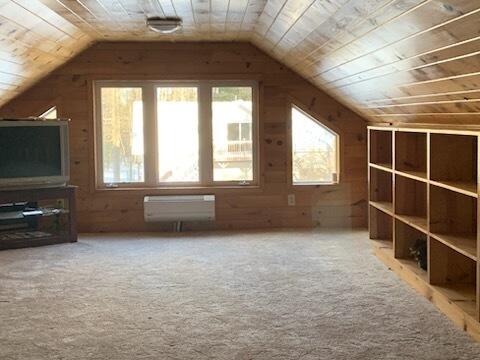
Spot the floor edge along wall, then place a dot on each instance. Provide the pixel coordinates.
(423, 212)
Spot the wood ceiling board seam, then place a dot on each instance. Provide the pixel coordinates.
(448, 95)
(424, 62)
(448, 35)
(286, 16)
(20, 16)
(63, 11)
(318, 17)
(86, 16)
(366, 20)
(330, 24)
(168, 7)
(276, 12)
(431, 73)
(396, 42)
(30, 39)
(100, 12)
(37, 8)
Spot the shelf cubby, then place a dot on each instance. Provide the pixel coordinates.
(453, 220)
(411, 153)
(406, 237)
(411, 202)
(381, 228)
(381, 194)
(455, 275)
(381, 148)
(453, 162)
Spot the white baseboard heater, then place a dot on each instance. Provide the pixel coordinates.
(179, 208)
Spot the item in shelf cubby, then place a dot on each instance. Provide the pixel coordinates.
(419, 253)
(407, 238)
(381, 225)
(381, 147)
(381, 188)
(411, 153)
(411, 201)
(453, 220)
(453, 160)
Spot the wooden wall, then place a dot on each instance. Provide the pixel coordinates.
(70, 89)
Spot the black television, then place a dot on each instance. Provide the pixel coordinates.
(33, 153)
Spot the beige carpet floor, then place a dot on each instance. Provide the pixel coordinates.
(257, 295)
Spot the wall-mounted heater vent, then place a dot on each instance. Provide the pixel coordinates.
(179, 208)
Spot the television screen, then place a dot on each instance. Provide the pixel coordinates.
(30, 151)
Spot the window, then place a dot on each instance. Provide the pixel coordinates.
(314, 150)
(50, 113)
(122, 135)
(232, 133)
(177, 124)
(240, 132)
(198, 133)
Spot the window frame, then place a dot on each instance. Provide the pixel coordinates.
(318, 120)
(149, 100)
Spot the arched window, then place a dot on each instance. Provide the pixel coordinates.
(314, 151)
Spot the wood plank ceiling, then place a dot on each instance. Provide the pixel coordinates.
(389, 60)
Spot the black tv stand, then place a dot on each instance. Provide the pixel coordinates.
(23, 230)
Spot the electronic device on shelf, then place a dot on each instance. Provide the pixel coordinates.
(23, 235)
(33, 153)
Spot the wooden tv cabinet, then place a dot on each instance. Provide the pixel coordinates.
(29, 237)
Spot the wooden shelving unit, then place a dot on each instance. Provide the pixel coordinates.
(423, 188)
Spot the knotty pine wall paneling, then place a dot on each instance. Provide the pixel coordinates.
(70, 89)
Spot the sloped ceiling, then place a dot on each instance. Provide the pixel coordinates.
(389, 60)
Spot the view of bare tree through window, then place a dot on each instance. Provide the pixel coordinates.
(232, 133)
(314, 150)
(171, 154)
(122, 135)
(177, 119)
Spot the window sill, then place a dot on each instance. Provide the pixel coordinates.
(314, 185)
(179, 189)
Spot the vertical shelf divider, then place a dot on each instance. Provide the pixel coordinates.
(393, 194)
(478, 229)
(429, 272)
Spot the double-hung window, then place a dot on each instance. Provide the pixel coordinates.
(163, 134)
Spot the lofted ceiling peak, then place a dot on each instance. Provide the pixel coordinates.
(389, 60)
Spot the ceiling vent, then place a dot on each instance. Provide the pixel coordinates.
(164, 25)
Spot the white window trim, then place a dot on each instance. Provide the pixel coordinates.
(314, 118)
(150, 133)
